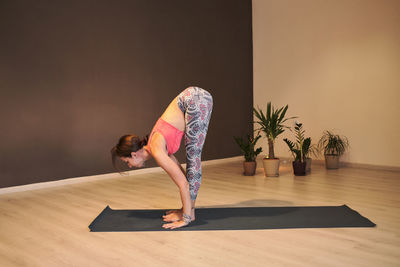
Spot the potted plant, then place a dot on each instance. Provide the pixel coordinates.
(271, 123)
(299, 149)
(250, 155)
(312, 149)
(333, 146)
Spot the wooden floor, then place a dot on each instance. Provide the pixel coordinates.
(49, 227)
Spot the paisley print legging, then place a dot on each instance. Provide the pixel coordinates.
(196, 103)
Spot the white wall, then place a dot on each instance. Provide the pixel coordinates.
(337, 64)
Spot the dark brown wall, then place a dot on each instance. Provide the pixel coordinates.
(76, 75)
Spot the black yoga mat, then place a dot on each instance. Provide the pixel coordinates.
(241, 218)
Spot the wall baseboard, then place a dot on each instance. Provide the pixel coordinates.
(349, 165)
(368, 166)
(35, 186)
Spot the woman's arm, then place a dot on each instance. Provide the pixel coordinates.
(177, 162)
(168, 164)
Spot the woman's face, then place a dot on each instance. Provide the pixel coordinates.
(136, 160)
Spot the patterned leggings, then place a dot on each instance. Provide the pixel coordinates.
(196, 104)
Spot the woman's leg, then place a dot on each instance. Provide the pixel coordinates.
(196, 104)
(198, 108)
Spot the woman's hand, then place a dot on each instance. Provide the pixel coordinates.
(174, 225)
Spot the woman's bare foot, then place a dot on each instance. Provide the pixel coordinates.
(173, 216)
(172, 211)
(176, 215)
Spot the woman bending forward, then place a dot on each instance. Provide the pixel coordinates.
(189, 115)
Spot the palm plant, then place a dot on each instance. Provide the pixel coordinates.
(333, 144)
(247, 147)
(272, 124)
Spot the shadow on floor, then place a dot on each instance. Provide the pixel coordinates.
(253, 203)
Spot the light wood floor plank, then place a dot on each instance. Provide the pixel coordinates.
(49, 227)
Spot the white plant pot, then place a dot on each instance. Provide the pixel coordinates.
(271, 167)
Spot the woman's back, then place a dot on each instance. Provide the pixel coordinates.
(174, 116)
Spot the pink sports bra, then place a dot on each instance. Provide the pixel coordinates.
(171, 135)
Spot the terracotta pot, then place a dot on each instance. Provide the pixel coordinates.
(332, 161)
(249, 168)
(271, 167)
(308, 164)
(299, 168)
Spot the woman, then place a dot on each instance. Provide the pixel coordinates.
(188, 114)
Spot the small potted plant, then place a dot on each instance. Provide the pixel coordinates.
(250, 155)
(272, 124)
(312, 149)
(333, 146)
(299, 149)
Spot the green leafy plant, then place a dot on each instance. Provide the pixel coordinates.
(272, 124)
(247, 147)
(333, 144)
(302, 147)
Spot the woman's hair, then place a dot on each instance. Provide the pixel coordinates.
(126, 145)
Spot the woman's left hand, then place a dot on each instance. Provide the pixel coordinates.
(174, 225)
